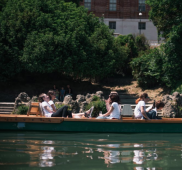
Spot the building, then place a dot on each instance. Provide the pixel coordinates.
(123, 16)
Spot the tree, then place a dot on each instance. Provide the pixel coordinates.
(53, 36)
(165, 14)
(161, 65)
(2, 4)
(77, 2)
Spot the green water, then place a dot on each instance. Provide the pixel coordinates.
(92, 151)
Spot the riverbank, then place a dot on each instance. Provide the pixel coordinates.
(34, 86)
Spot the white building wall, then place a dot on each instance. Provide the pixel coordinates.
(130, 26)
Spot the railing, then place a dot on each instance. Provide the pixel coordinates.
(130, 110)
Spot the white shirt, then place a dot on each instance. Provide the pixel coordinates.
(149, 108)
(47, 114)
(51, 102)
(116, 112)
(137, 112)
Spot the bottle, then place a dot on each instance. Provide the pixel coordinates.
(100, 113)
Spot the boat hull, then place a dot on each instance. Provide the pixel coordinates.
(98, 127)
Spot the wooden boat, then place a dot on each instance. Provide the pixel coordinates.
(125, 125)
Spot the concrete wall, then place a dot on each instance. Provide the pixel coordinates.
(130, 26)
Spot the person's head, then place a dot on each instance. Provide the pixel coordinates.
(114, 98)
(68, 86)
(51, 94)
(54, 86)
(42, 97)
(159, 105)
(62, 88)
(143, 97)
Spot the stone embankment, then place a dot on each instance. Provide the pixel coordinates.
(173, 105)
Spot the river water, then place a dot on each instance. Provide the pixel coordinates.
(91, 151)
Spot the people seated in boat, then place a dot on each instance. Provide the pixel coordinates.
(107, 101)
(52, 96)
(114, 111)
(152, 110)
(140, 110)
(61, 112)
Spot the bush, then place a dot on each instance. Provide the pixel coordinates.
(22, 110)
(133, 47)
(178, 88)
(99, 105)
(141, 43)
(161, 65)
(58, 106)
(95, 98)
(147, 69)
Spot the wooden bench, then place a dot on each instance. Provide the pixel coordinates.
(35, 109)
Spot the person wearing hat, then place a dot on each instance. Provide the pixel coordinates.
(140, 110)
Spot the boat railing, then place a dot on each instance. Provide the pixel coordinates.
(128, 109)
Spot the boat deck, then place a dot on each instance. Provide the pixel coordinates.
(42, 119)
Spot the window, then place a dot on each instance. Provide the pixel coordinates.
(141, 25)
(112, 5)
(87, 4)
(141, 6)
(112, 25)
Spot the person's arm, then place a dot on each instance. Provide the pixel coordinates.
(54, 109)
(48, 109)
(143, 113)
(109, 112)
(149, 109)
(107, 104)
(69, 91)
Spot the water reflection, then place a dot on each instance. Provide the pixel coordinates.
(47, 157)
(73, 150)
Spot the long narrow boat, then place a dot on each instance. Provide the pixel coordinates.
(125, 125)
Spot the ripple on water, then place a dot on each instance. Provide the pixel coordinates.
(90, 151)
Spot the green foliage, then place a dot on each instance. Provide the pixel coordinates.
(53, 36)
(129, 42)
(161, 65)
(58, 106)
(141, 43)
(2, 4)
(165, 14)
(22, 110)
(95, 98)
(133, 46)
(99, 105)
(147, 68)
(77, 2)
(178, 88)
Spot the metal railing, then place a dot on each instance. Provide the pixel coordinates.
(160, 113)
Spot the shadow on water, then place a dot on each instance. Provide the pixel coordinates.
(35, 150)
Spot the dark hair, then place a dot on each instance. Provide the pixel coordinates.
(159, 104)
(114, 98)
(144, 95)
(41, 96)
(50, 92)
